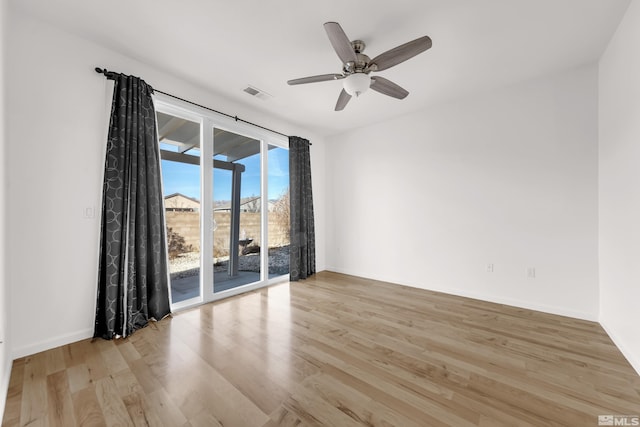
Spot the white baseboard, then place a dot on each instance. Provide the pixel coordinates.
(51, 343)
(634, 360)
(560, 311)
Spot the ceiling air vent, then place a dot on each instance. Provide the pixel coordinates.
(253, 91)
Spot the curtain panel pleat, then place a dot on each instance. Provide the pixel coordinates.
(133, 273)
(302, 261)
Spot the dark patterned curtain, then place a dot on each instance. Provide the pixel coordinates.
(133, 280)
(302, 261)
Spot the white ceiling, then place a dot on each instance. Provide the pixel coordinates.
(225, 45)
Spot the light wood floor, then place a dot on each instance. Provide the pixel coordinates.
(333, 350)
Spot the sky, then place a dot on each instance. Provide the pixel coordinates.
(185, 179)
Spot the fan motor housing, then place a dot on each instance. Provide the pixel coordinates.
(362, 62)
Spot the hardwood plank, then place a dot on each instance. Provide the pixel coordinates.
(225, 402)
(74, 354)
(93, 360)
(282, 417)
(126, 383)
(204, 419)
(128, 351)
(61, 411)
(252, 381)
(34, 406)
(87, 409)
(55, 360)
(145, 377)
(165, 408)
(79, 377)
(141, 413)
(113, 360)
(180, 385)
(113, 408)
(13, 404)
(306, 405)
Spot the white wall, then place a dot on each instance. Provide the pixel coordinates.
(619, 84)
(5, 356)
(507, 178)
(57, 140)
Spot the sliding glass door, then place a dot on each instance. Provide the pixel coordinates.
(226, 201)
(278, 207)
(237, 211)
(181, 186)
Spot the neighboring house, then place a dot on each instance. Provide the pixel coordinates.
(177, 202)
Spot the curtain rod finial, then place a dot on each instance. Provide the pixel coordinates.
(100, 70)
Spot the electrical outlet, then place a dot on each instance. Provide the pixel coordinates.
(489, 268)
(531, 272)
(89, 212)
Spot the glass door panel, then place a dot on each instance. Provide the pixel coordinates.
(236, 210)
(180, 153)
(278, 219)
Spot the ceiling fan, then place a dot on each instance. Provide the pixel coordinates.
(357, 66)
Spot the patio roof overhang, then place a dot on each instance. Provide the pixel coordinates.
(185, 136)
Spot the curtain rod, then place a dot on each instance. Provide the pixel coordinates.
(111, 74)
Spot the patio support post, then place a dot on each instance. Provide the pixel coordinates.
(234, 238)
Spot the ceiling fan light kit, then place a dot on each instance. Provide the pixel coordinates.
(356, 66)
(356, 84)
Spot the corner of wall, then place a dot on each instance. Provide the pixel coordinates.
(633, 360)
(5, 348)
(57, 341)
(319, 177)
